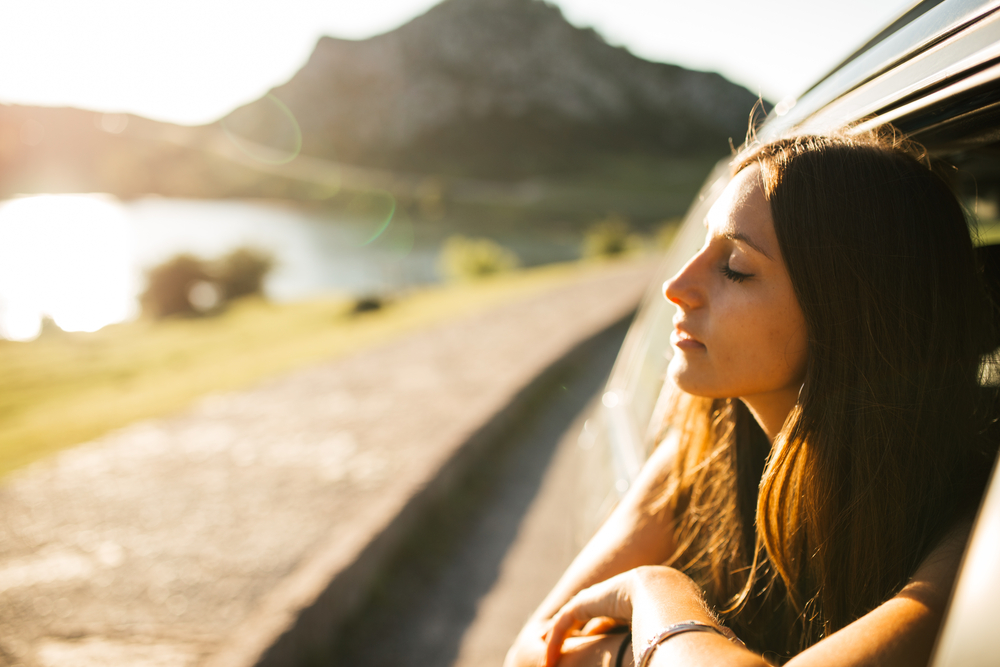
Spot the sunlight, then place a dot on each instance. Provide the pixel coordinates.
(68, 257)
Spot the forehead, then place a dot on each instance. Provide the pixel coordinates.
(743, 210)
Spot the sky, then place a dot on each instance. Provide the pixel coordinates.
(192, 61)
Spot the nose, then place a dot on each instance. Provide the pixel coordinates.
(684, 289)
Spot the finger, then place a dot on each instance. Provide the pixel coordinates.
(608, 598)
(561, 626)
(573, 616)
(599, 625)
(527, 650)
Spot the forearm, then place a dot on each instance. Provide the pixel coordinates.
(663, 597)
(700, 649)
(616, 548)
(652, 599)
(631, 537)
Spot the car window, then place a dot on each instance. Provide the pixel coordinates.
(630, 405)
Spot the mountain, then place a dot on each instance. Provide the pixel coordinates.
(482, 109)
(492, 88)
(51, 149)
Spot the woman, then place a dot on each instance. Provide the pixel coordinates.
(830, 427)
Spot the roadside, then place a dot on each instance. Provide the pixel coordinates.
(243, 530)
(460, 589)
(96, 382)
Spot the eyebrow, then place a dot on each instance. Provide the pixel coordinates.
(743, 238)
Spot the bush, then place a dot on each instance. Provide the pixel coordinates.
(188, 285)
(606, 238)
(367, 304)
(471, 258)
(610, 237)
(242, 272)
(169, 286)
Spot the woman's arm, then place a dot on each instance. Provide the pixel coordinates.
(630, 537)
(900, 632)
(651, 598)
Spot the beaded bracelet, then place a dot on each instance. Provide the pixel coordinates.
(678, 628)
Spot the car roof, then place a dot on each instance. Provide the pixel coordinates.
(937, 62)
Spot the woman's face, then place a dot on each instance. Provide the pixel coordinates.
(739, 331)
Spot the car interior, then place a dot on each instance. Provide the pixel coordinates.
(968, 636)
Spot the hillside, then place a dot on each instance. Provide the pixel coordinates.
(494, 88)
(487, 109)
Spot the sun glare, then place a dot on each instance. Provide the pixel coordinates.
(67, 257)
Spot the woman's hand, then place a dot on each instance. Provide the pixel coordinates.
(638, 532)
(611, 599)
(530, 647)
(647, 598)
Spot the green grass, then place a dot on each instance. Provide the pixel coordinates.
(63, 389)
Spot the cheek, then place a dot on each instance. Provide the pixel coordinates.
(797, 350)
(787, 340)
(766, 338)
(757, 343)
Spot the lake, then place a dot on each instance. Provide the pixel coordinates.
(81, 259)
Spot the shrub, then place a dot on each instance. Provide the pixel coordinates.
(610, 237)
(187, 285)
(465, 258)
(169, 285)
(242, 272)
(367, 304)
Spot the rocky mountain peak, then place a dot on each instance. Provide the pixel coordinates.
(494, 87)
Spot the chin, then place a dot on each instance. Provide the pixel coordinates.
(688, 379)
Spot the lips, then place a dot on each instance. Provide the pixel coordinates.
(683, 340)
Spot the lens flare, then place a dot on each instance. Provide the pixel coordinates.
(382, 221)
(400, 237)
(269, 154)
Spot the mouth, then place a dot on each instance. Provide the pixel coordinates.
(682, 340)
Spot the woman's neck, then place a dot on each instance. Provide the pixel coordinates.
(771, 409)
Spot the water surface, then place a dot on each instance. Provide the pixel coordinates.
(81, 259)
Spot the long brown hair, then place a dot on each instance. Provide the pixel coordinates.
(885, 446)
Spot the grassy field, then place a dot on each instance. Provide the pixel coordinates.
(63, 389)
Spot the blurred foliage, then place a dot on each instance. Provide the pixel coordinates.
(464, 258)
(169, 286)
(610, 237)
(187, 285)
(367, 304)
(242, 272)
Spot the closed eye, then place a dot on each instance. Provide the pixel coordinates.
(735, 276)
